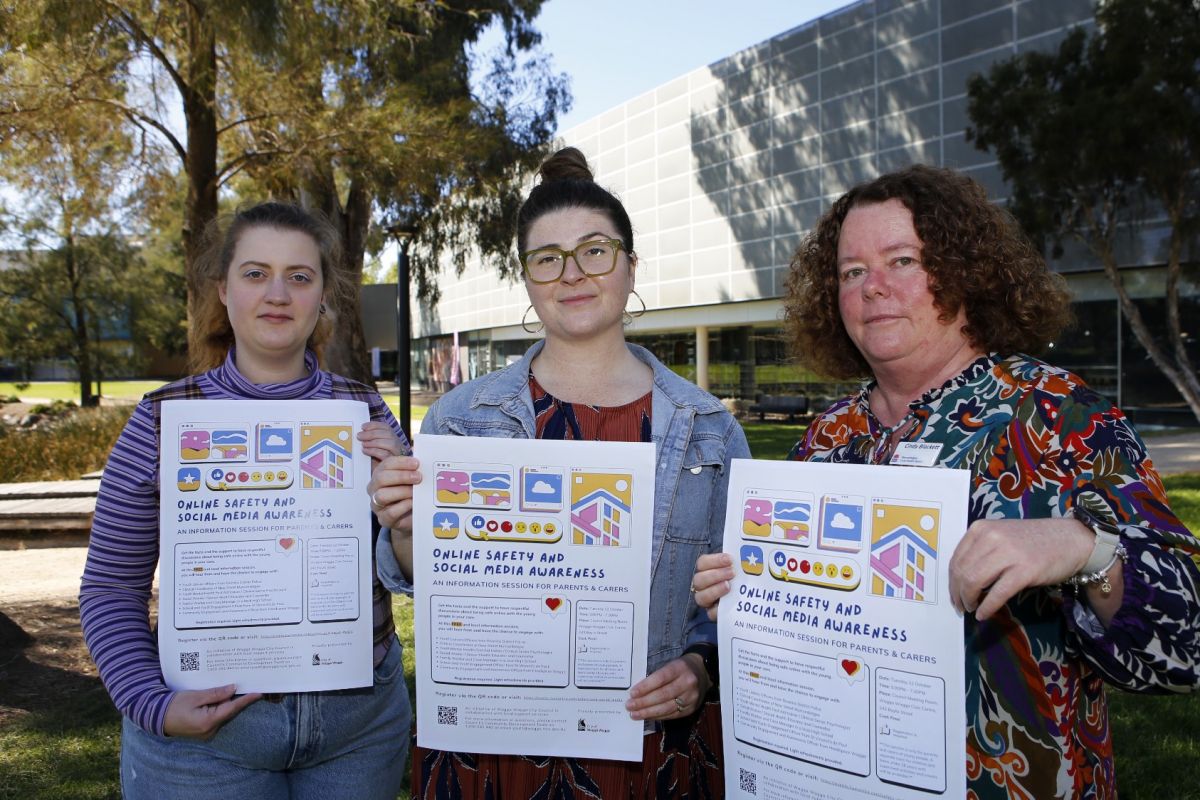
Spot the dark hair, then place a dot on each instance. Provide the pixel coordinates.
(210, 317)
(975, 254)
(567, 183)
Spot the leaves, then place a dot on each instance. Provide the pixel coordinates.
(1098, 140)
(361, 108)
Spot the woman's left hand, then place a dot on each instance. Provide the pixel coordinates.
(674, 690)
(999, 557)
(379, 441)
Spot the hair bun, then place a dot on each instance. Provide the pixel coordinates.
(568, 164)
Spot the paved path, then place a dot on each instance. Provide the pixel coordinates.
(1176, 453)
(44, 573)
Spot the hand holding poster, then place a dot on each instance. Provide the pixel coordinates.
(531, 589)
(842, 658)
(265, 537)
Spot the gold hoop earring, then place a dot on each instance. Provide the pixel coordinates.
(627, 316)
(540, 325)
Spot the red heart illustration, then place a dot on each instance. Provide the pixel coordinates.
(553, 603)
(849, 666)
(286, 542)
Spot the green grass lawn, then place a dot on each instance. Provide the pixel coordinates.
(393, 402)
(772, 440)
(66, 390)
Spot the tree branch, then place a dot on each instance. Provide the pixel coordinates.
(246, 121)
(135, 30)
(140, 119)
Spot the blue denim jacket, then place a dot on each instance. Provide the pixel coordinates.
(695, 439)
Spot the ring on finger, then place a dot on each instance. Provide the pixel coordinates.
(679, 704)
(375, 500)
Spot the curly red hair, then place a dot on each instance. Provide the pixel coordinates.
(975, 254)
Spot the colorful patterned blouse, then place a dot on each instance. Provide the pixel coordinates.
(556, 419)
(1039, 443)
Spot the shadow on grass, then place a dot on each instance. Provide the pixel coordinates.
(772, 440)
(62, 755)
(1154, 738)
(59, 732)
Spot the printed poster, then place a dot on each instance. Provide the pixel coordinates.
(842, 658)
(531, 594)
(265, 545)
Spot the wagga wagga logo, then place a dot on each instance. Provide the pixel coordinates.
(591, 727)
(318, 661)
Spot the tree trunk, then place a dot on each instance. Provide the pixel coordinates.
(200, 114)
(83, 352)
(12, 635)
(1182, 378)
(346, 350)
(1191, 392)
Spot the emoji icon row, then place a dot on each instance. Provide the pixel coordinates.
(831, 573)
(227, 479)
(791, 567)
(497, 528)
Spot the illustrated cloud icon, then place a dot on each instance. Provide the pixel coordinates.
(275, 440)
(842, 521)
(541, 487)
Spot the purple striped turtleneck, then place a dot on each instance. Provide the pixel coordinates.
(123, 550)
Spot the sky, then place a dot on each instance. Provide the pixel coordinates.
(614, 50)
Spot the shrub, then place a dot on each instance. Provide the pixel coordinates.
(63, 449)
(56, 408)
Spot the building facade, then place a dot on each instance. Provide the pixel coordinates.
(725, 169)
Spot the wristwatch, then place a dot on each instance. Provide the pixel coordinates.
(1106, 550)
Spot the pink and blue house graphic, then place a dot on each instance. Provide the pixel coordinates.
(600, 518)
(903, 565)
(325, 461)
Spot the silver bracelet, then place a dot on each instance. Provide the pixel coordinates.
(1100, 576)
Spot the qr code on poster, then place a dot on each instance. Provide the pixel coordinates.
(447, 715)
(189, 662)
(748, 781)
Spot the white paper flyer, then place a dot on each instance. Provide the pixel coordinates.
(531, 589)
(265, 545)
(842, 658)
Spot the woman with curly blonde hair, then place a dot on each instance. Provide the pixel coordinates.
(1073, 570)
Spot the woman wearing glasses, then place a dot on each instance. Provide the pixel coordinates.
(585, 382)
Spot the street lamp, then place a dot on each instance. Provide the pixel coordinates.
(403, 332)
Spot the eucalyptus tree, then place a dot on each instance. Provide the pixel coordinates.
(362, 108)
(1100, 139)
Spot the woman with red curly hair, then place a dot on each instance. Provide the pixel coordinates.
(1073, 570)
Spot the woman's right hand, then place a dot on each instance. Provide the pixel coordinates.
(711, 581)
(391, 491)
(200, 713)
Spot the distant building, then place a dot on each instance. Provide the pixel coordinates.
(724, 170)
(120, 355)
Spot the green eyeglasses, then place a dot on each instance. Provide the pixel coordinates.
(595, 258)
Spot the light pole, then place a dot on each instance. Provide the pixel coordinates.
(403, 333)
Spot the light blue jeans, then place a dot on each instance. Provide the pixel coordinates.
(307, 746)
